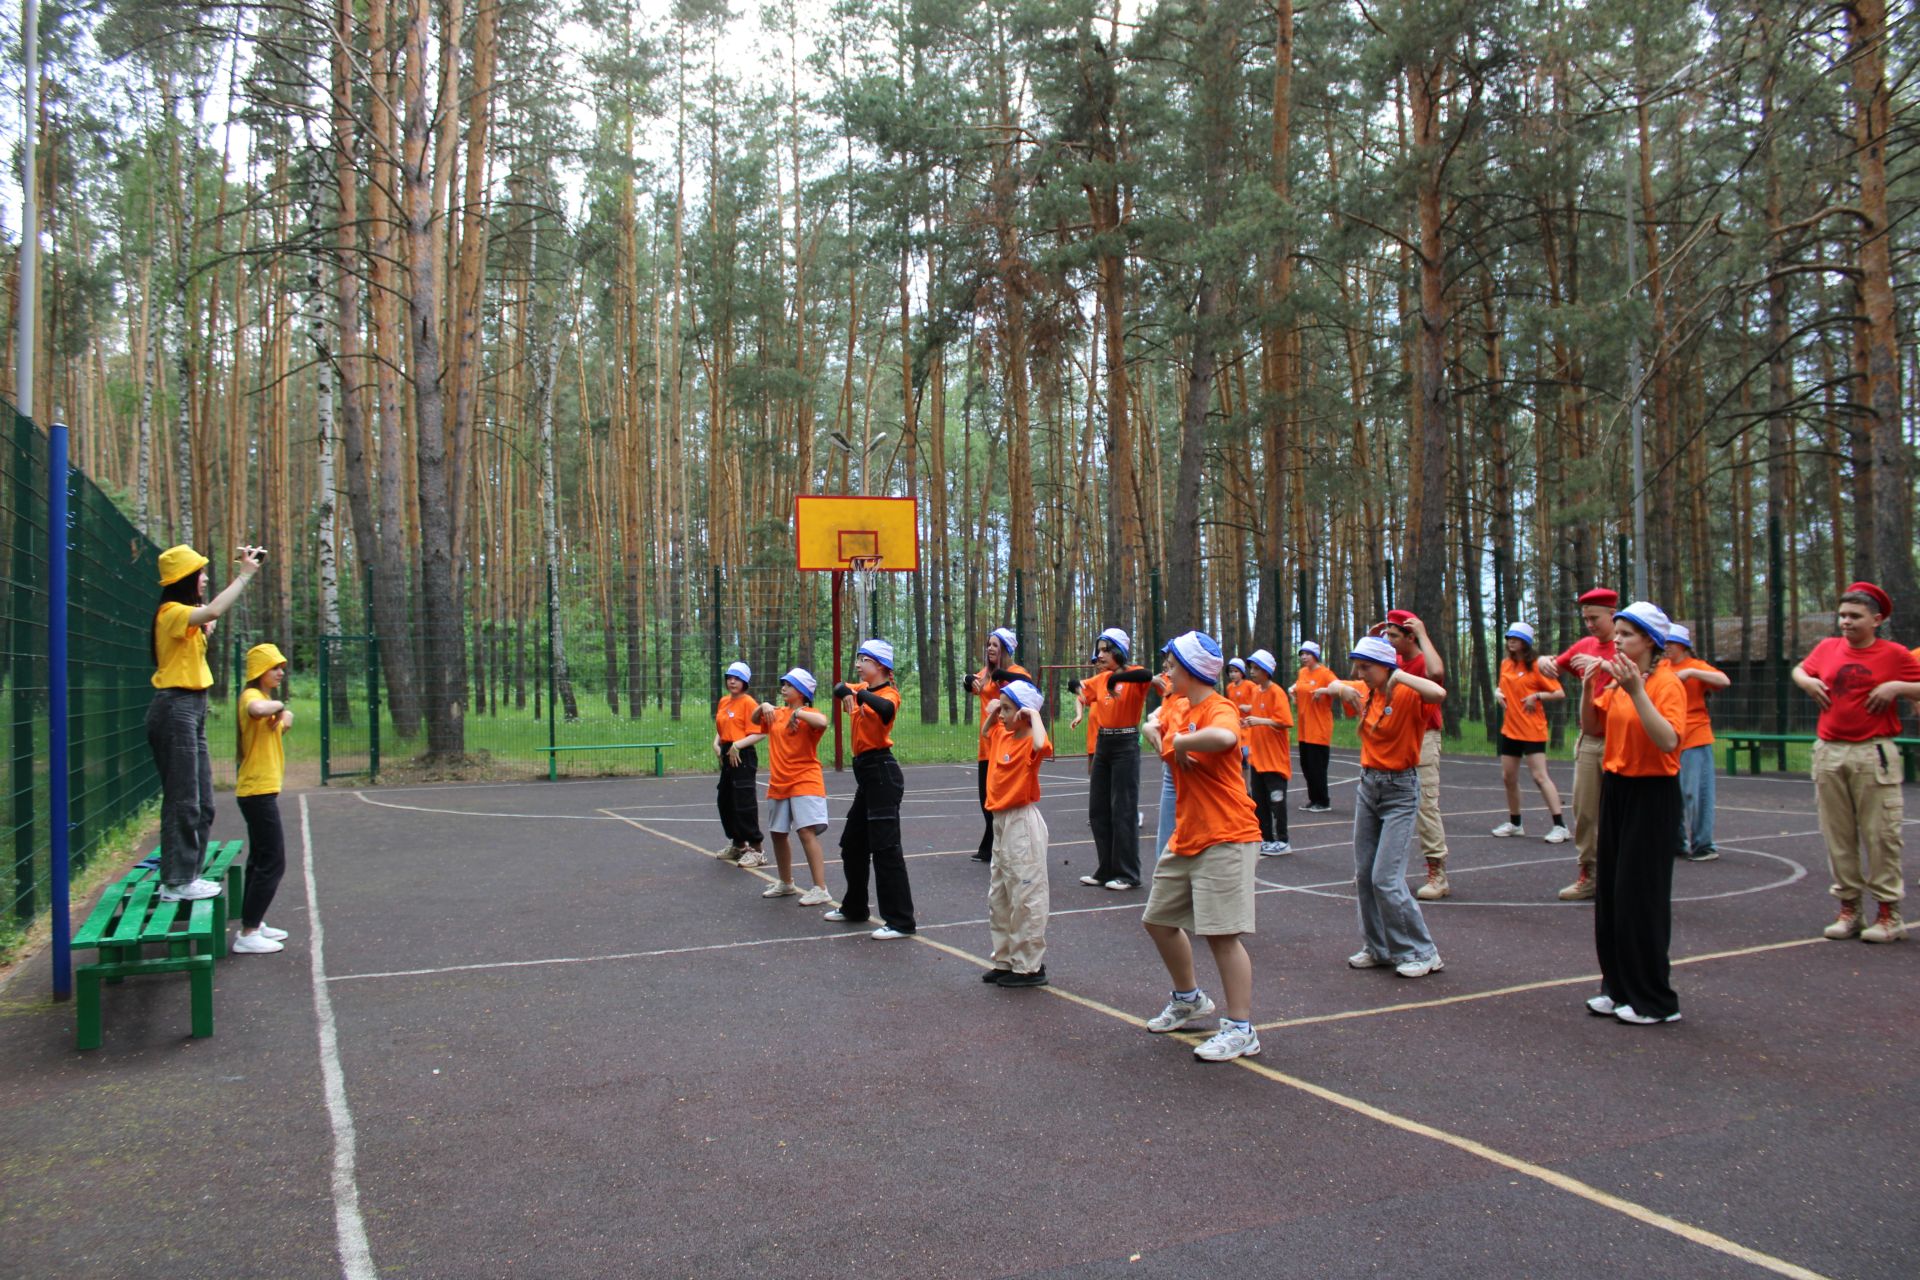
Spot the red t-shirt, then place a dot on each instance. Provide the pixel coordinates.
(1851, 674)
(1416, 665)
(1602, 649)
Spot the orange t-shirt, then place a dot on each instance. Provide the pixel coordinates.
(1392, 725)
(1088, 697)
(1118, 706)
(1699, 730)
(733, 717)
(793, 747)
(1316, 714)
(1516, 682)
(1240, 693)
(1172, 707)
(1630, 752)
(987, 693)
(869, 733)
(1211, 804)
(1013, 767)
(1269, 745)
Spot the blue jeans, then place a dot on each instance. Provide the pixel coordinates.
(1164, 832)
(1696, 792)
(1383, 839)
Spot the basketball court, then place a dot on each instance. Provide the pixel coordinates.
(541, 1029)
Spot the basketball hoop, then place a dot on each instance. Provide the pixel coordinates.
(863, 576)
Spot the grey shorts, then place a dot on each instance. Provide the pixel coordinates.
(1210, 893)
(797, 813)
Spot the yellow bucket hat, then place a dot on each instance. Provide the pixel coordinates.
(261, 659)
(177, 562)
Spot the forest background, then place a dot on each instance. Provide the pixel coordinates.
(1258, 317)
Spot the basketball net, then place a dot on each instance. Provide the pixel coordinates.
(863, 584)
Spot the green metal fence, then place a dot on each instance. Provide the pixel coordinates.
(111, 597)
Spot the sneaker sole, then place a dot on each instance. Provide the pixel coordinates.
(1244, 1053)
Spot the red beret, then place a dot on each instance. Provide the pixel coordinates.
(1604, 596)
(1399, 617)
(1880, 597)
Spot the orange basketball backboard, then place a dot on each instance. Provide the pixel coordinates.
(830, 531)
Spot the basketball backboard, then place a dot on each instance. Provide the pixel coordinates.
(831, 531)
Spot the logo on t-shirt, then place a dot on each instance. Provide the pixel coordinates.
(1852, 678)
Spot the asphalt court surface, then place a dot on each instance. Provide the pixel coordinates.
(547, 1032)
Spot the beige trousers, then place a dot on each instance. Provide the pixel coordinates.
(1427, 827)
(1857, 788)
(1017, 889)
(1588, 753)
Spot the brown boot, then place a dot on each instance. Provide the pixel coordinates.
(1847, 923)
(1436, 885)
(1580, 890)
(1886, 927)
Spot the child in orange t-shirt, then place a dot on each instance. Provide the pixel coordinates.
(796, 786)
(1393, 724)
(1524, 693)
(1267, 720)
(1017, 900)
(1315, 717)
(1700, 679)
(1116, 696)
(1203, 883)
(733, 743)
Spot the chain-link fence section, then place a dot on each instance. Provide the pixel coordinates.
(111, 596)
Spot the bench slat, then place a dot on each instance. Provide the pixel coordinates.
(134, 918)
(160, 921)
(101, 920)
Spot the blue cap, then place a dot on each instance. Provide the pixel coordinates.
(801, 679)
(1262, 659)
(1198, 653)
(880, 651)
(742, 672)
(1119, 640)
(1650, 618)
(1008, 641)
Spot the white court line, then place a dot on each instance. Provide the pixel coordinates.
(350, 1230)
(1798, 873)
(478, 813)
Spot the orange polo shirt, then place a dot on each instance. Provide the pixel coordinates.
(1392, 725)
(1699, 730)
(869, 733)
(1013, 767)
(986, 693)
(793, 748)
(1211, 804)
(1117, 706)
(1271, 753)
(1630, 752)
(733, 717)
(1316, 714)
(1517, 680)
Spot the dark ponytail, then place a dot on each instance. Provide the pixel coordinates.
(182, 591)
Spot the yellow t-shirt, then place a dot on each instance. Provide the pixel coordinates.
(262, 762)
(183, 650)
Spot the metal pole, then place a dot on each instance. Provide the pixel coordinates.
(553, 721)
(1777, 625)
(326, 707)
(837, 765)
(714, 611)
(29, 216)
(57, 782)
(373, 703)
(1636, 416)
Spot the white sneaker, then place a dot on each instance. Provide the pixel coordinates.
(785, 889)
(1509, 829)
(752, 858)
(838, 917)
(1229, 1042)
(730, 853)
(191, 891)
(887, 933)
(1121, 886)
(1365, 960)
(1179, 1013)
(1626, 1014)
(1092, 882)
(278, 935)
(1559, 835)
(1601, 1006)
(1420, 968)
(255, 944)
(815, 896)
(1275, 849)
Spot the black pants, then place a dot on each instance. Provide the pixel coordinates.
(871, 835)
(177, 736)
(266, 857)
(1113, 807)
(1633, 890)
(1270, 802)
(985, 853)
(1313, 763)
(739, 798)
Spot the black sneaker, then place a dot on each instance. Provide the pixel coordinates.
(982, 857)
(1038, 978)
(994, 975)
(1704, 855)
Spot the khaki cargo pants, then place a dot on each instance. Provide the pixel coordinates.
(1588, 754)
(1017, 899)
(1429, 832)
(1857, 787)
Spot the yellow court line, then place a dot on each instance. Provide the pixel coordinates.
(1521, 989)
(1540, 1173)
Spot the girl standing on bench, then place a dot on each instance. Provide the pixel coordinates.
(796, 787)
(739, 798)
(262, 723)
(177, 717)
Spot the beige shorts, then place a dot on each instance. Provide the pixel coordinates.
(1210, 894)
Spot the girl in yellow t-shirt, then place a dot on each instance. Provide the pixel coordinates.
(177, 716)
(261, 725)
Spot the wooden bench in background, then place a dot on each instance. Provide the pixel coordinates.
(1752, 743)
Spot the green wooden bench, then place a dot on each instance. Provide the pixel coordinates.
(223, 866)
(1751, 743)
(658, 749)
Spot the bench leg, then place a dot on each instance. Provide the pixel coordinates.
(220, 927)
(86, 1009)
(201, 976)
(659, 763)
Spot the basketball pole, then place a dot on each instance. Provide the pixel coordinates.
(837, 576)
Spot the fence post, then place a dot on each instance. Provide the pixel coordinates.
(1777, 626)
(553, 718)
(326, 708)
(25, 571)
(373, 705)
(714, 612)
(57, 781)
